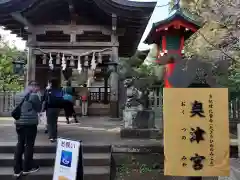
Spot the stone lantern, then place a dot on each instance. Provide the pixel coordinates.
(18, 67)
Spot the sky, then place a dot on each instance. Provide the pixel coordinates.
(159, 13)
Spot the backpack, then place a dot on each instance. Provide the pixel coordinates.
(55, 98)
(68, 94)
(17, 111)
(68, 90)
(68, 97)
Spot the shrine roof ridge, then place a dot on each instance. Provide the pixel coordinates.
(133, 16)
(177, 14)
(9, 6)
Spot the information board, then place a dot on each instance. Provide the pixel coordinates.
(196, 131)
(68, 160)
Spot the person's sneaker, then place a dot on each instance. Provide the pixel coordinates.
(52, 140)
(32, 170)
(17, 174)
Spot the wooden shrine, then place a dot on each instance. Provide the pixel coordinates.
(76, 35)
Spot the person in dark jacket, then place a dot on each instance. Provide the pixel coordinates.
(69, 93)
(26, 128)
(53, 100)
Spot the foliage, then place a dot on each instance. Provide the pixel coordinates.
(8, 80)
(135, 67)
(219, 35)
(218, 38)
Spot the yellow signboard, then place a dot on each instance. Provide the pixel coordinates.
(196, 131)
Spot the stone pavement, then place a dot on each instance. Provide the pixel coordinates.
(91, 130)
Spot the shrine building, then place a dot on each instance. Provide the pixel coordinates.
(80, 40)
(170, 35)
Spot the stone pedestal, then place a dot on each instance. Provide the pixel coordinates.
(138, 119)
(238, 134)
(139, 124)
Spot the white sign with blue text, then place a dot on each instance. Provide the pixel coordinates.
(66, 162)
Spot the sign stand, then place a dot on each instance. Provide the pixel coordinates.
(194, 178)
(69, 160)
(80, 173)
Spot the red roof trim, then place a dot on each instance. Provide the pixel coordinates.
(177, 24)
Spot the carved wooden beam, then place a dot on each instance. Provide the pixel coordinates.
(73, 44)
(78, 29)
(18, 17)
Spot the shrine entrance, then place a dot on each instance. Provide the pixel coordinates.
(79, 71)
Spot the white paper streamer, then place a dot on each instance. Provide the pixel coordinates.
(64, 65)
(50, 62)
(93, 62)
(79, 67)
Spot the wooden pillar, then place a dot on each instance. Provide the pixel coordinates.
(31, 65)
(114, 83)
(114, 79)
(105, 89)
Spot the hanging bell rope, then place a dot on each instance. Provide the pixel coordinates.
(44, 59)
(99, 58)
(72, 61)
(58, 59)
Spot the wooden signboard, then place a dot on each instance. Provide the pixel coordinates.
(196, 131)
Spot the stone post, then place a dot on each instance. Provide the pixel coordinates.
(238, 140)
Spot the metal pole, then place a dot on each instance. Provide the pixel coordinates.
(194, 178)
